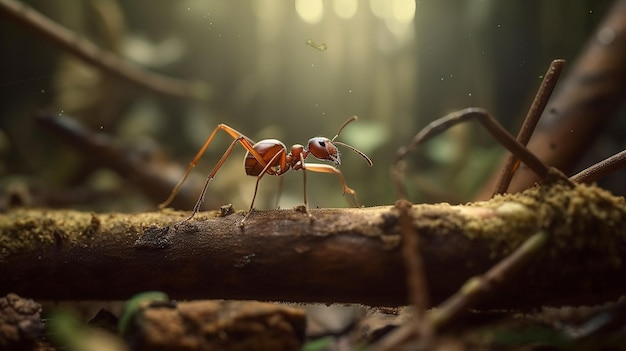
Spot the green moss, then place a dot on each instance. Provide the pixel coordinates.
(27, 230)
(575, 216)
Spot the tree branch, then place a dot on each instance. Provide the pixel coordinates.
(82, 48)
(344, 255)
(147, 175)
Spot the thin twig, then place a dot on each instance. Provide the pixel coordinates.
(412, 256)
(90, 53)
(479, 287)
(601, 169)
(530, 122)
(471, 292)
(445, 122)
(415, 271)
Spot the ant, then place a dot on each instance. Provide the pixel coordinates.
(270, 156)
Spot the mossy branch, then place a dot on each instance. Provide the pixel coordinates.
(344, 255)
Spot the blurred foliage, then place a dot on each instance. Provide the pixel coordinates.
(266, 81)
(68, 332)
(136, 303)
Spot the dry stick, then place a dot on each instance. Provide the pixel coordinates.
(530, 122)
(492, 126)
(471, 292)
(412, 257)
(415, 270)
(90, 53)
(148, 177)
(479, 287)
(601, 169)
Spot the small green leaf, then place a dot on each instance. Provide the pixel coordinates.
(135, 304)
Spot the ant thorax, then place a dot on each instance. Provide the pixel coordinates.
(295, 157)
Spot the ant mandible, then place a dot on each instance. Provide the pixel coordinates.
(270, 156)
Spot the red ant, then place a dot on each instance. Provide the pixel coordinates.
(270, 156)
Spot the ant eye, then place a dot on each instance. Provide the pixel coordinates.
(322, 144)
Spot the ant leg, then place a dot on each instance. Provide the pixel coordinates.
(243, 140)
(306, 203)
(278, 192)
(279, 156)
(324, 168)
(211, 175)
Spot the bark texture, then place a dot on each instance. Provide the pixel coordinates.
(343, 255)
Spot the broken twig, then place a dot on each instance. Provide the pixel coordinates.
(474, 290)
(540, 101)
(601, 169)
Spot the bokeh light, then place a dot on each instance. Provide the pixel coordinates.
(345, 9)
(311, 11)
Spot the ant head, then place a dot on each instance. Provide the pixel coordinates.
(324, 149)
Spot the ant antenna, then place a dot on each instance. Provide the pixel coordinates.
(367, 159)
(351, 119)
